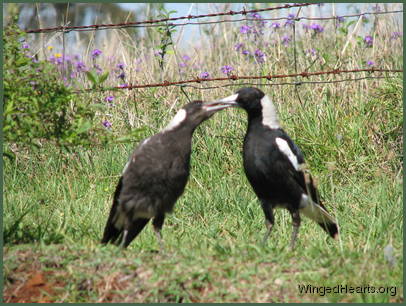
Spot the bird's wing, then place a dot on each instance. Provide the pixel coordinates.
(296, 165)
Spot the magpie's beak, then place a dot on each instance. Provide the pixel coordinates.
(230, 100)
(215, 106)
(221, 104)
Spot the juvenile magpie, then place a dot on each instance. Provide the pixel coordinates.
(275, 166)
(155, 176)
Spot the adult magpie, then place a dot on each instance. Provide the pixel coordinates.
(275, 166)
(155, 176)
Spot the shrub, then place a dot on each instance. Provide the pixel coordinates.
(38, 106)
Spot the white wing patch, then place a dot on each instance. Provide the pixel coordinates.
(285, 149)
(126, 166)
(144, 142)
(314, 211)
(177, 120)
(269, 115)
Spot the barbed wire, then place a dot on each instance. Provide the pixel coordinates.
(249, 19)
(189, 17)
(236, 77)
(288, 83)
(133, 25)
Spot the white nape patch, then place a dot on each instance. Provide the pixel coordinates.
(176, 121)
(269, 115)
(285, 149)
(231, 98)
(314, 211)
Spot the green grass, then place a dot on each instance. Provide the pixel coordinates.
(55, 208)
(56, 203)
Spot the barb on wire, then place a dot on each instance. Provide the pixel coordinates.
(189, 17)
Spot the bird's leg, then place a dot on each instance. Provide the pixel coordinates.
(123, 240)
(158, 223)
(269, 220)
(296, 224)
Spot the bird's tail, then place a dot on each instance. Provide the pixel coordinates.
(319, 214)
(111, 233)
(315, 210)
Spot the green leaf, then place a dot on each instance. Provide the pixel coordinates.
(103, 77)
(92, 77)
(84, 127)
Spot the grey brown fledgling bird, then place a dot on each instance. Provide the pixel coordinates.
(275, 166)
(155, 176)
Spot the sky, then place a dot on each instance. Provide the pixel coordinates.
(188, 32)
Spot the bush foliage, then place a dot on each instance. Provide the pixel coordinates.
(38, 106)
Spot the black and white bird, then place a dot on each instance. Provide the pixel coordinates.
(155, 176)
(275, 166)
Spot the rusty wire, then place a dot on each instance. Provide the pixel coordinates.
(189, 17)
(247, 19)
(267, 77)
(288, 83)
(183, 83)
(133, 25)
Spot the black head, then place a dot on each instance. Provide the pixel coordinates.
(248, 98)
(256, 103)
(194, 113)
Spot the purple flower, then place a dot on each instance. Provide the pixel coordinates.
(158, 53)
(107, 124)
(290, 20)
(121, 75)
(186, 58)
(339, 21)
(275, 25)
(204, 75)
(182, 65)
(96, 53)
(226, 69)
(259, 55)
(238, 46)
(370, 63)
(311, 52)
(123, 85)
(256, 15)
(245, 52)
(245, 29)
(368, 41)
(317, 28)
(99, 70)
(25, 45)
(109, 99)
(396, 35)
(286, 40)
(306, 27)
(80, 66)
(120, 66)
